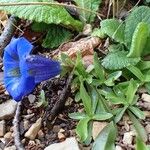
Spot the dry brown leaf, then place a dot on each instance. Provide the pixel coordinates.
(3, 18)
(85, 46)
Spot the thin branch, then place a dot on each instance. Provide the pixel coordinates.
(16, 121)
(7, 33)
(49, 3)
(62, 99)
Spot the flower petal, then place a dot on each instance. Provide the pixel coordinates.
(24, 47)
(40, 67)
(19, 87)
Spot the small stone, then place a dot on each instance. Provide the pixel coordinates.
(66, 145)
(31, 98)
(147, 114)
(61, 130)
(40, 134)
(147, 128)
(118, 147)
(8, 135)
(23, 141)
(146, 97)
(61, 136)
(34, 129)
(38, 141)
(127, 138)
(26, 124)
(29, 111)
(56, 128)
(10, 148)
(28, 116)
(97, 128)
(7, 109)
(2, 128)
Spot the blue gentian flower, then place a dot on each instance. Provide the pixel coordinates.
(23, 71)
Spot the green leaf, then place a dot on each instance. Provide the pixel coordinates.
(82, 129)
(139, 14)
(42, 100)
(131, 90)
(136, 72)
(146, 49)
(139, 40)
(56, 35)
(77, 115)
(86, 100)
(43, 13)
(88, 4)
(139, 128)
(102, 116)
(118, 60)
(113, 77)
(136, 111)
(99, 33)
(144, 65)
(114, 29)
(99, 71)
(79, 67)
(106, 138)
(140, 145)
(120, 113)
(40, 27)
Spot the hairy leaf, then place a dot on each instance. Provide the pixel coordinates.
(114, 29)
(118, 60)
(139, 14)
(82, 129)
(88, 4)
(85, 99)
(56, 35)
(139, 128)
(106, 138)
(139, 40)
(140, 145)
(43, 13)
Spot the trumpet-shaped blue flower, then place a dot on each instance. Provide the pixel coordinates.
(23, 71)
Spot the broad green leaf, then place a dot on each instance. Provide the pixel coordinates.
(56, 35)
(82, 129)
(77, 115)
(99, 33)
(86, 99)
(88, 4)
(139, 128)
(131, 90)
(146, 49)
(114, 29)
(136, 111)
(147, 86)
(118, 60)
(95, 97)
(43, 13)
(120, 113)
(136, 72)
(139, 14)
(106, 138)
(140, 145)
(102, 116)
(116, 99)
(98, 68)
(42, 100)
(79, 67)
(139, 40)
(143, 65)
(113, 77)
(40, 27)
